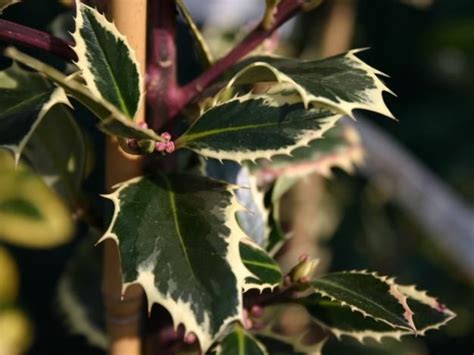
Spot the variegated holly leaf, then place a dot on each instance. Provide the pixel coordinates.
(369, 294)
(340, 148)
(178, 237)
(107, 63)
(343, 82)
(201, 45)
(79, 292)
(31, 215)
(5, 3)
(341, 320)
(266, 272)
(112, 120)
(57, 152)
(429, 313)
(239, 342)
(251, 127)
(254, 219)
(25, 99)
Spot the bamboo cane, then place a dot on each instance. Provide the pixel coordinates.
(123, 313)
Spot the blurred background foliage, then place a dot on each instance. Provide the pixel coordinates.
(429, 53)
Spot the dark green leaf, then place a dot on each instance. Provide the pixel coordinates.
(251, 127)
(178, 237)
(107, 63)
(240, 342)
(56, 151)
(25, 98)
(343, 82)
(267, 273)
(370, 295)
(341, 320)
(113, 121)
(201, 45)
(5, 3)
(79, 292)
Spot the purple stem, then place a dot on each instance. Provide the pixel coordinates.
(14, 33)
(162, 88)
(286, 10)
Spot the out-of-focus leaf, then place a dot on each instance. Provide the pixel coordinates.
(106, 61)
(339, 148)
(57, 152)
(269, 15)
(5, 3)
(25, 99)
(9, 278)
(31, 215)
(178, 237)
(79, 292)
(254, 219)
(201, 44)
(16, 330)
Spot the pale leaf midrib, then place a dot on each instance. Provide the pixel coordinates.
(261, 264)
(174, 210)
(112, 76)
(337, 286)
(191, 137)
(241, 341)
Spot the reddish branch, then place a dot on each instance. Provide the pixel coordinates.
(162, 89)
(14, 33)
(286, 10)
(164, 96)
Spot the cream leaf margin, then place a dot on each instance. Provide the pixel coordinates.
(180, 311)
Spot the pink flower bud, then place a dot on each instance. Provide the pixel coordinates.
(143, 125)
(303, 257)
(170, 147)
(166, 136)
(248, 324)
(256, 311)
(160, 146)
